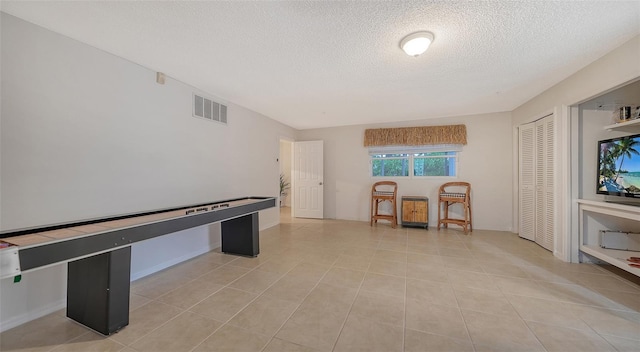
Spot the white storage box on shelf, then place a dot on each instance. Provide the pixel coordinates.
(624, 241)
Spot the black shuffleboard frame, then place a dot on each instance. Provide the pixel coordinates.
(47, 253)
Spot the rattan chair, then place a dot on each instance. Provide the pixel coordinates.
(380, 192)
(452, 193)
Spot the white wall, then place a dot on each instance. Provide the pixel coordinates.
(612, 70)
(87, 134)
(485, 162)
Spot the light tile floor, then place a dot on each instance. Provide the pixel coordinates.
(345, 286)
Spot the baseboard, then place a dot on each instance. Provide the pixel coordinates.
(32, 315)
(174, 261)
(269, 225)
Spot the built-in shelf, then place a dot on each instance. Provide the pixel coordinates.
(627, 126)
(597, 215)
(612, 256)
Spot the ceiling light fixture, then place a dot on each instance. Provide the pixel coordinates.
(416, 43)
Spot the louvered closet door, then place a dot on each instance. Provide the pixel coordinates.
(536, 179)
(540, 181)
(548, 213)
(527, 179)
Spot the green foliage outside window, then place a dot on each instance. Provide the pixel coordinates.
(434, 164)
(423, 164)
(390, 167)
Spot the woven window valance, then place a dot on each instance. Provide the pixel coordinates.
(426, 135)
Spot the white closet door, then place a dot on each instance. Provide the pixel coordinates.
(540, 193)
(549, 193)
(536, 181)
(527, 179)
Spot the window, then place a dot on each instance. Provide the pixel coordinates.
(390, 164)
(429, 161)
(434, 164)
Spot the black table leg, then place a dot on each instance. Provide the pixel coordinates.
(240, 235)
(98, 290)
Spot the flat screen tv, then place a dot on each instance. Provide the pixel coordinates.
(619, 168)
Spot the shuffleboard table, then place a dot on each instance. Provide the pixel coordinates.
(98, 252)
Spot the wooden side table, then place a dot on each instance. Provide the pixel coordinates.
(415, 211)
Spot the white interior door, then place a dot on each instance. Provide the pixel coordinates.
(545, 201)
(308, 179)
(536, 180)
(527, 181)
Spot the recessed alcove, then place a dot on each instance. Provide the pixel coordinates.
(592, 121)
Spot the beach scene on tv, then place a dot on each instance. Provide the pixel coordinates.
(619, 169)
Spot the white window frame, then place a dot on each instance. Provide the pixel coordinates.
(411, 151)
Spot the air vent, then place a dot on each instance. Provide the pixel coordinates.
(209, 109)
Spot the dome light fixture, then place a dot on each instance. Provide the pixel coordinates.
(416, 43)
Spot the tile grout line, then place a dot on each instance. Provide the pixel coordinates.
(354, 299)
(245, 306)
(211, 294)
(184, 310)
(300, 304)
(260, 295)
(521, 318)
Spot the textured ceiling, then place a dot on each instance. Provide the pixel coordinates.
(315, 64)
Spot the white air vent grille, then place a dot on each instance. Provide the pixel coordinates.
(209, 109)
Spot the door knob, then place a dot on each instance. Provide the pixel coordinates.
(320, 183)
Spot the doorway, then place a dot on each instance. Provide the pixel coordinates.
(308, 179)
